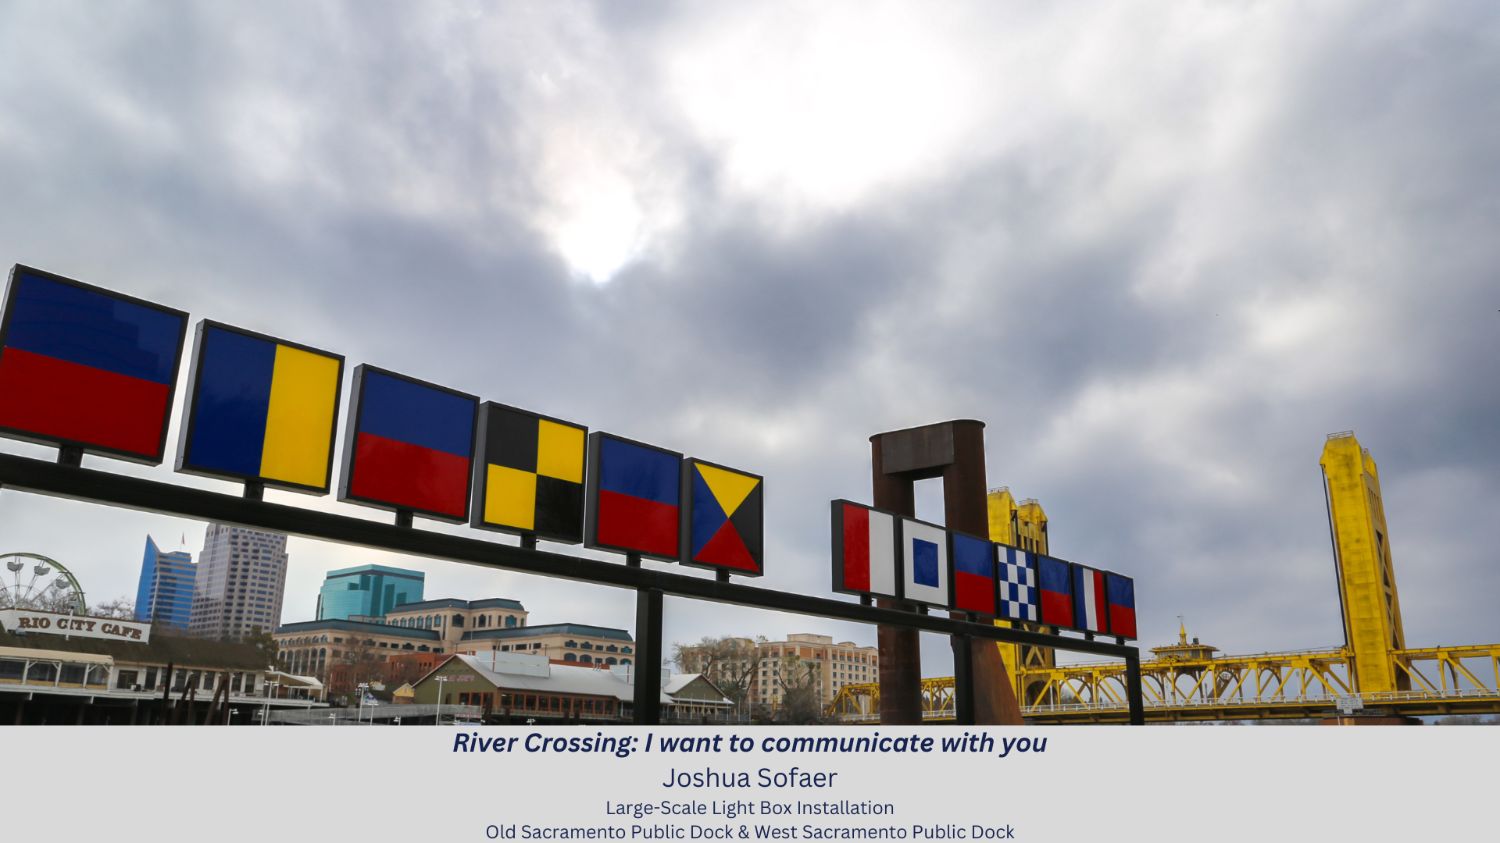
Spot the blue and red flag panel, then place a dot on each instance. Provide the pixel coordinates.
(1055, 584)
(634, 493)
(409, 445)
(864, 550)
(722, 518)
(85, 367)
(973, 573)
(924, 563)
(1018, 587)
(1090, 613)
(1119, 594)
(260, 409)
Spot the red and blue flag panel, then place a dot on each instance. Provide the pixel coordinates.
(973, 573)
(634, 497)
(1055, 587)
(722, 518)
(864, 550)
(924, 563)
(260, 409)
(1019, 594)
(1090, 612)
(85, 367)
(1119, 594)
(408, 445)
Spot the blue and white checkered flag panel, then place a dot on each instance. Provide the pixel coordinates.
(1018, 592)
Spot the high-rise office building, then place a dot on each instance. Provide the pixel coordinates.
(241, 577)
(164, 595)
(367, 591)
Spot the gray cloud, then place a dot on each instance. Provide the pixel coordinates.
(1161, 255)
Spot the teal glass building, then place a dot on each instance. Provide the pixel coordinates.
(367, 591)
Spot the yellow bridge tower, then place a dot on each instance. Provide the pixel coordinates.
(1362, 554)
(1022, 525)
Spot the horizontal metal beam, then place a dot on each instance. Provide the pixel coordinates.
(49, 478)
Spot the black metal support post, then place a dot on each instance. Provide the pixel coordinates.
(1133, 688)
(648, 603)
(963, 680)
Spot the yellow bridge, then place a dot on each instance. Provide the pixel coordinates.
(1264, 686)
(1373, 673)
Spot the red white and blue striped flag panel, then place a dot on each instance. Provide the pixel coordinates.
(1091, 614)
(409, 445)
(864, 550)
(1119, 594)
(634, 497)
(924, 563)
(85, 367)
(1019, 594)
(1055, 586)
(973, 573)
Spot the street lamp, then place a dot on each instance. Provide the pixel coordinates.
(265, 717)
(437, 717)
(359, 712)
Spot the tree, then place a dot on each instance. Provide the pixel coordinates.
(120, 608)
(728, 662)
(801, 704)
(264, 644)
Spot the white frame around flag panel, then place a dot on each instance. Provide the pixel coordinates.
(912, 530)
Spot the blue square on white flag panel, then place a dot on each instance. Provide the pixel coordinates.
(924, 562)
(1018, 592)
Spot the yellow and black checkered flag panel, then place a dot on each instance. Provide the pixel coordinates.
(529, 475)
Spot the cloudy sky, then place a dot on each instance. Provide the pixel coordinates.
(1161, 252)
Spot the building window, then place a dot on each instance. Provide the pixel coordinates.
(510, 621)
(570, 657)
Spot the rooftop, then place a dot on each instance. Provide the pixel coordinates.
(376, 569)
(579, 629)
(358, 626)
(455, 603)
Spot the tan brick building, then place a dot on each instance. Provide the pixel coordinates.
(834, 665)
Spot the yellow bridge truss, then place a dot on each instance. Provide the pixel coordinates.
(1265, 686)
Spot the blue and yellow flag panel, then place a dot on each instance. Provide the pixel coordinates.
(82, 366)
(723, 520)
(529, 475)
(261, 409)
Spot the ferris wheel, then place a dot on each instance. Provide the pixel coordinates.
(33, 581)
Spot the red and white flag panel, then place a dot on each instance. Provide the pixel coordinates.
(1090, 612)
(864, 550)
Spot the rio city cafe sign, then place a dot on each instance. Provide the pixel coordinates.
(51, 623)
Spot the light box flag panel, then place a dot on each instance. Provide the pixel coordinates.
(408, 445)
(864, 550)
(1091, 613)
(529, 475)
(1019, 594)
(723, 518)
(924, 562)
(260, 409)
(82, 366)
(1055, 584)
(1119, 591)
(973, 573)
(635, 498)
